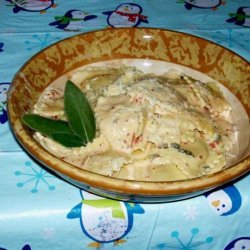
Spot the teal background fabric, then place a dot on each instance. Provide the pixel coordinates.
(38, 210)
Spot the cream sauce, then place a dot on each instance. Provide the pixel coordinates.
(156, 121)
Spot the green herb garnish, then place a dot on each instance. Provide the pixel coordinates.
(80, 127)
(79, 113)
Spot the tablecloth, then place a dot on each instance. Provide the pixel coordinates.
(41, 211)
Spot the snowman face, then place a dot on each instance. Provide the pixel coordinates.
(220, 202)
(204, 3)
(128, 8)
(243, 244)
(3, 91)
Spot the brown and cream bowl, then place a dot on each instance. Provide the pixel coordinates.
(129, 44)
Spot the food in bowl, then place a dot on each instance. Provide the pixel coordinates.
(149, 127)
(147, 46)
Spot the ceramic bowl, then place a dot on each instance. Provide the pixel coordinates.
(186, 50)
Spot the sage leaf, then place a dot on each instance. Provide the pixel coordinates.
(79, 113)
(46, 126)
(68, 140)
(80, 127)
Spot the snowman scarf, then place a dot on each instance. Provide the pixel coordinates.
(131, 17)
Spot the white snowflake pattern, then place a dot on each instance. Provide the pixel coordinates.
(48, 233)
(191, 213)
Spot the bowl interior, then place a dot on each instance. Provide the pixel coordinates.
(221, 64)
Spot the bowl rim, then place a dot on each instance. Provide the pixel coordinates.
(122, 186)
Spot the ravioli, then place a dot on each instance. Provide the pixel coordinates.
(149, 127)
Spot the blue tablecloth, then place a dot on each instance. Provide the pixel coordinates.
(40, 211)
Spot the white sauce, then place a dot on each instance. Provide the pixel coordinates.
(151, 128)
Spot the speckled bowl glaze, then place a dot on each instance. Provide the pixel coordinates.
(196, 53)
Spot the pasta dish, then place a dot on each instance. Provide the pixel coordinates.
(149, 127)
